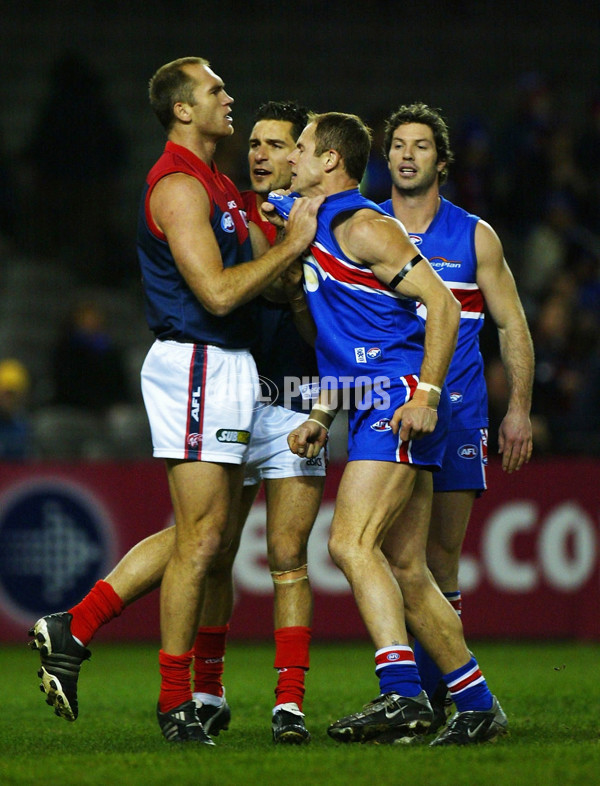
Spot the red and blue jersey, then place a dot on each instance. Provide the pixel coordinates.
(449, 245)
(364, 328)
(172, 309)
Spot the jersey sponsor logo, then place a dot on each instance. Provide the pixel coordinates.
(360, 354)
(456, 397)
(194, 440)
(373, 353)
(314, 462)
(468, 451)
(227, 223)
(381, 425)
(416, 239)
(56, 541)
(232, 204)
(232, 435)
(438, 263)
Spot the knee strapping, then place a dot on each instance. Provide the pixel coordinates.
(286, 577)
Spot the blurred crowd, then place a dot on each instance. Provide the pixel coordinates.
(535, 179)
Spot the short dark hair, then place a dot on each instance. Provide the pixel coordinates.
(348, 135)
(421, 113)
(289, 111)
(171, 84)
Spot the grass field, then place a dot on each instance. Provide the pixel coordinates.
(551, 693)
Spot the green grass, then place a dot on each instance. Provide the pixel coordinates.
(549, 691)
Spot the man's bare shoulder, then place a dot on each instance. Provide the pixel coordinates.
(178, 198)
(367, 227)
(176, 182)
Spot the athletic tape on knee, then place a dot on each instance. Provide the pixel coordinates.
(277, 575)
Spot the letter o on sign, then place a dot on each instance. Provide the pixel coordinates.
(564, 568)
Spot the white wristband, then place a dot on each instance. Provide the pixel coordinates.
(314, 420)
(324, 408)
(428, 387)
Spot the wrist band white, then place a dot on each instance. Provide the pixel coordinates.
(428, 387)
(323, 408)
(314, 420)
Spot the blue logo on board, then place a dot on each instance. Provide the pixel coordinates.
(55, 542)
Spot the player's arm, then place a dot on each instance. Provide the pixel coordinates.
(260, 244)
(291, 283)
(498, 288)
(382, 243)
(180, 207)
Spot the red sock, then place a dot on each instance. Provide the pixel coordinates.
(209, 659)
(292, 662)
(175, 686)
(100, 605)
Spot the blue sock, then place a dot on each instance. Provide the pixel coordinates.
(397, 671)
(430, 673)
(468, 688)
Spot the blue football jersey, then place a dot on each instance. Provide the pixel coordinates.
(366, 332)
(449, 245)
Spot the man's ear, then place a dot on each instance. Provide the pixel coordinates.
(331, 160)
(181, 110)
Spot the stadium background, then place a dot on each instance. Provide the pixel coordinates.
(90, 492)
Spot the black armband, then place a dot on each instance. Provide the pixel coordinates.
(405, 270)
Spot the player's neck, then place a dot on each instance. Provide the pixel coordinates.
(416, 211)
(202, 146)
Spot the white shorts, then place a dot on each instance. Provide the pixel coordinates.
(269, 455)
(201, 401)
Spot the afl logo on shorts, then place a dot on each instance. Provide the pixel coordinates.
(56, 541)
(456, 397)
(227, 224)
(373, 353)
(382, 425)
(416, 239)
(468, 451)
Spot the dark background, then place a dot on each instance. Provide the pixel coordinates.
(72, 224)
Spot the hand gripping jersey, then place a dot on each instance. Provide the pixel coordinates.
(365, 330)
(172, 309)
(286, 363)
(449, 244)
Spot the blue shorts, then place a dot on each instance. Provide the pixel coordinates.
(465, 461)
(371, 438)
